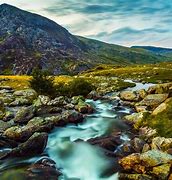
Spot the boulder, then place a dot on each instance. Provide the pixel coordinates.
(33, 146)
(24, 114)
(135, 117)
(44, 167)
(142, 93)
(58, 101)
(17, 133)
(162, 107)
(4, 125)
(29, 94)
(123, 176)
(83, 107)
(154, 158)
(162, 171)
(153, 100)
(93, 95)
(138, 144)
(141, 108)
(161, 143)
(147, 133)
(41, 101)
(129, 96)
(160, 88)
(20, 101)
(76, 99)
(22, 133)
(130, 162)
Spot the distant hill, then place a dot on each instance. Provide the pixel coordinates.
(28, 40)
(155, 50)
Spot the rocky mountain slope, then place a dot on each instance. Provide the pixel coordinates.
(28, 40)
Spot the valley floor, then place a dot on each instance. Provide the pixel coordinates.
(123, 125)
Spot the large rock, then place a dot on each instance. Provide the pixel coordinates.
(27, 93)
(123, 176)
(33, 146)
(162, 107)
(154, 158)
(22, 133)
(17, 133)
(24, 114)
(129, 96)
(142, 93)
(161, 172)
(58, 101)
(24, 97)
(135, 117)
(4, 125)
(160, 88)
(147, 133)
(41, 101)
(83, 107)
(44, 167)
(161, 143)
(153, 100)
(131, 162)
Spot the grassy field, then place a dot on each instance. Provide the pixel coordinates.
(155, 73)
(105, 77)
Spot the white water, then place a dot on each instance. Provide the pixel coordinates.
(79, 160)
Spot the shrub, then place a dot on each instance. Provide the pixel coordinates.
(42, 83)
(79, 86)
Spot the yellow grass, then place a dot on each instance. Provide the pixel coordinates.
(22, 82)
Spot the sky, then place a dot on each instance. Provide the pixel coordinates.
(123, 22)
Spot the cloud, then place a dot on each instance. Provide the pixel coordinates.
(125, 22)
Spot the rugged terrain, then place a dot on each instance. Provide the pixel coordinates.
(28, 40)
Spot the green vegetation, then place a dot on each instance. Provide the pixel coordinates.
(155, 73)
(162, 122)
(42, 83)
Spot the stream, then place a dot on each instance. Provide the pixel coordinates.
(68, 146)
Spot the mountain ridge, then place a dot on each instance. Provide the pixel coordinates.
(28, 40)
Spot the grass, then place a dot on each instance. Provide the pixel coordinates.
(162, 122)
(155, 73)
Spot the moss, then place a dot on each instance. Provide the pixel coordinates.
(162, 122)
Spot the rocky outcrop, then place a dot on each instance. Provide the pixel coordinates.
(33, 146)
(153, 162)
(153, 100)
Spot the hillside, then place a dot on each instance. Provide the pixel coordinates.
(28, 40)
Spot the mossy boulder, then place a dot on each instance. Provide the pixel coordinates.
(33, 146)
(83, 107)
(154, 158)
(153, 100)
(129, 96)
(24, 114)
(160, 88)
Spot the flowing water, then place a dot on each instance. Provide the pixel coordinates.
(80, 160)
(68, 147)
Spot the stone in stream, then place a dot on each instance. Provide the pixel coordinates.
(129, 96)
(83, 107)
(43, 168)
(33, 146)
(109, 143)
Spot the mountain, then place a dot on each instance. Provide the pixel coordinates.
(28, 40)
(155, 50)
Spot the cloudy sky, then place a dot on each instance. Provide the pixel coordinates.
(124, 22)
